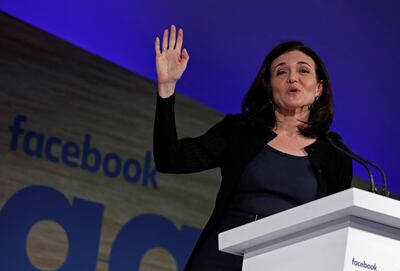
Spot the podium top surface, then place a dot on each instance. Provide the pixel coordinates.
(352, 202)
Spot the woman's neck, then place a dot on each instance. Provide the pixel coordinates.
(288, 121)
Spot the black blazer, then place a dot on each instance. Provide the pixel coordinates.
(231, 144)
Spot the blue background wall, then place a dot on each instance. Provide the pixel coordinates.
(228, 40)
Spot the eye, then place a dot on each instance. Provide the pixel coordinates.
(280, 72)
(304, 70)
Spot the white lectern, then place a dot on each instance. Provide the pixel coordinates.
(351, 230)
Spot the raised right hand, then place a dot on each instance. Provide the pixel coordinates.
(171, 61)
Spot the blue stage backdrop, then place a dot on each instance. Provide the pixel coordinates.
(227, 41)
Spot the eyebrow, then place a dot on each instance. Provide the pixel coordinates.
(303, 62)
(300, 62)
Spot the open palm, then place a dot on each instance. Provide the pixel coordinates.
(171, 60)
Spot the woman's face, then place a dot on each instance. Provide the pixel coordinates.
(294, 81)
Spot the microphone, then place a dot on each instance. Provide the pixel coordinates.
(361, 160)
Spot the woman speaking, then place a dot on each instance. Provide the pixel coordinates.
(273, 156)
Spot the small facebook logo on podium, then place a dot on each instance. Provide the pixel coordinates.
(364, 265)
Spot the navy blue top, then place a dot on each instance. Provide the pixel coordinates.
(273, 182)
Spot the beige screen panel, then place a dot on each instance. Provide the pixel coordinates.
(78, 187)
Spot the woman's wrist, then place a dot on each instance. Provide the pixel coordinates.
(166, 90)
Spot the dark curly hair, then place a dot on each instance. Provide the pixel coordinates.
(257, 105)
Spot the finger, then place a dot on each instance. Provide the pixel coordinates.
(165, 40)
(172, 37)
(179, 41)
(185, 55)
(157, 46)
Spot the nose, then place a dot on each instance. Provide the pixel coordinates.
(292, 78)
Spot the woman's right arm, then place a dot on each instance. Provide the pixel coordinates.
(186, 155)
(173, 155)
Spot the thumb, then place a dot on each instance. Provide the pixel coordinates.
(185, 55)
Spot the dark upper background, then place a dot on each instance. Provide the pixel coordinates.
(228, 40)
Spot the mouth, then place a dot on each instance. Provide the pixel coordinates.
(294, 90)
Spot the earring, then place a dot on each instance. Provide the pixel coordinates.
(315, 104)
(272, 104)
